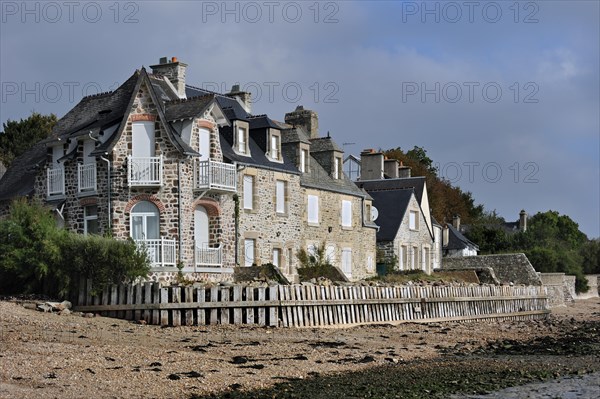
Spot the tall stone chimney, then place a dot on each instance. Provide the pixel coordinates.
(390, 166)
(456, 222)
(371, 165)
(523, 220)
(173, 70)
(306, 118)
(404, 171)
(243, 97)
(445, 235)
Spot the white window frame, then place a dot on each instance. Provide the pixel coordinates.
(242, 140)
(413, 220)
(304, 155)
(280, 196)
(87, 218)
(312, 209)
(277, 256)
(337, 167)
(346, 213)
(249, 243)
(403, 258)
(248, 192)
(275, 146)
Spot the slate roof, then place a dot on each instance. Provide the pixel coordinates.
(188, 108)
(293, 135)
(392, 207)
(236, 112)
(261, 122)
(19, 179)
(258, 156)
(415, 183)
(324, 144)
(458, 241)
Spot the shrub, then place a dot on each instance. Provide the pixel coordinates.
(36, 257)
(316, 264)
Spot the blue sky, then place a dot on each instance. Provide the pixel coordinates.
(503, 95)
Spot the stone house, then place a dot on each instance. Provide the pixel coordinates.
(197, 180)
(408, 232)
(454, 243)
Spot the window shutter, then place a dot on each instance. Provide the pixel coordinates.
(347, 213)
(280, 196)
(313, 209)
(248, 191)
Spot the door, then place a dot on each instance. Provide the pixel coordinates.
(249, 252)
(201, 227)
(204, 144)
(145, 228)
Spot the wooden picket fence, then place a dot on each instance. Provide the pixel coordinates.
(305, 306)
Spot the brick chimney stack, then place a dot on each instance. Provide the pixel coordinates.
(523, 220)
(174, 70)
(456, 222)
(371, 165)
(404, 171)
(305, 118)
(243, 97)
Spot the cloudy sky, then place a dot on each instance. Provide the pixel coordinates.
(503, 95)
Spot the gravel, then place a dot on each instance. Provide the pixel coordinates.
(69, 356)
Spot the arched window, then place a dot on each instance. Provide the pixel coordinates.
(145, 221)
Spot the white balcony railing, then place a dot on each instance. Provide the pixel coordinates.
(86, 177)
(146, 171)
(56, 181)
(213, 175)
(162, 252)
(209, 257)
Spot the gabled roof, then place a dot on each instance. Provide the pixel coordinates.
(415, 183)
(458, 241)
(293, 134)
(392, 206)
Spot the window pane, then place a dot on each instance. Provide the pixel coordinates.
(276, 256)
(412, 220)
(91, 226)
(302, 161)
(248, 252)
(248, 191)
(242, 140)
(137, 232)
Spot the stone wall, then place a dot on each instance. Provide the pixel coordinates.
(557, 288)
(592, 280)
(508, 268)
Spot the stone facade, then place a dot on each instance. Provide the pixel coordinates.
(177, 199)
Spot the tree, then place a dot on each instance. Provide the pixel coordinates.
(18, 137)
(590, 254)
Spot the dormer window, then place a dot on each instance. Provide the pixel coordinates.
(240, 144)
(275, 145)
(337, 167)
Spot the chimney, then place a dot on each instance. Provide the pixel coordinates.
(243, 97)
(456, 222)
(445, 236)
(390, 166)
(403, 171)
(523, 220)
(371, 165)
(174, 70)
(305, 118)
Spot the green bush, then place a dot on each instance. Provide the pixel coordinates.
(316, 264)
(37, 257)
